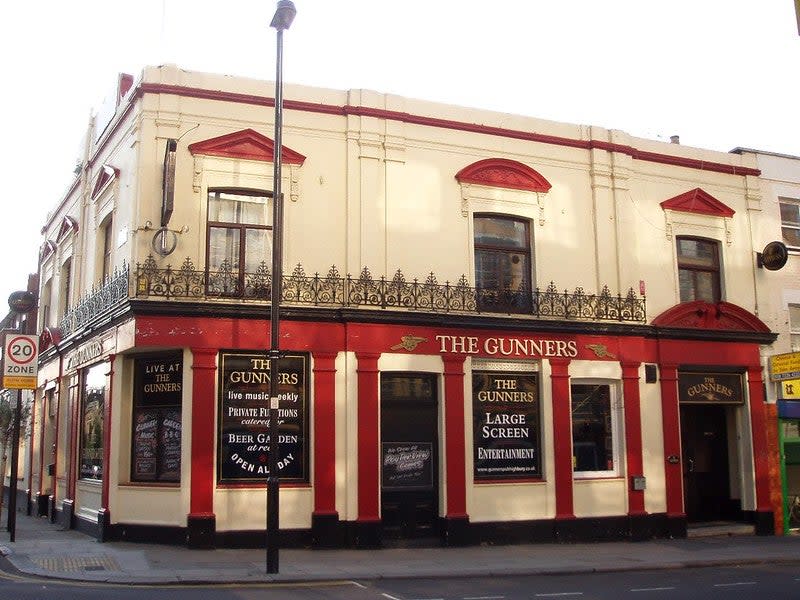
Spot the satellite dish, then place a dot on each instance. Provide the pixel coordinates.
(774, 256)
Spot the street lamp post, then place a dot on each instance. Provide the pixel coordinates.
(284, 15)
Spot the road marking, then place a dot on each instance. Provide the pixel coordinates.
(483, 597)
(734, 584)
(389, 597)
(551, 595)
(655, 589)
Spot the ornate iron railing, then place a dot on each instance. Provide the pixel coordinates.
(335, 290)
(98, 301)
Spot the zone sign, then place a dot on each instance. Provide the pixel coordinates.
(20, 361)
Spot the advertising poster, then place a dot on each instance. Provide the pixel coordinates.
(244, 417)
(506, 436)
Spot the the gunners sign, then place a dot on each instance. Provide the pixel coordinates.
(20, 361)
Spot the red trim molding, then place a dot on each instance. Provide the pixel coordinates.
(504, 173)
(201, 493)
(700, 202)
(324, 433)
(68, 225)
(348, 110)
(671, 428)
(455, 445)
(704, 315)
(246, 144)
(108, 405)
(562, 438)
(758, 424)
(633, 434)
(368, 437)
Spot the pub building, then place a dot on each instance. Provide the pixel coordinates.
(468, 354)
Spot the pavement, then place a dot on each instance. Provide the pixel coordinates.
(42, 549)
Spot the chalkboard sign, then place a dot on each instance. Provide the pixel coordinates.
(170, 439)
(506, 435)
(407, 465)
(145, 445)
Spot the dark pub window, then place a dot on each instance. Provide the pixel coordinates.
(502, 263)
(698, 269)
(156, 439)
(93, 394)
(239, 242)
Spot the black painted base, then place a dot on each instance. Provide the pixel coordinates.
(326, 531)
(676, 527)
(200, 531)
(104, 525)
(66, 516)
(367, 534)
(455, 531)
(52, 512)
(765, 523)
(42, 502)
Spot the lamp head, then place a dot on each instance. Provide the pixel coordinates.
(284, 15)
(22, 302)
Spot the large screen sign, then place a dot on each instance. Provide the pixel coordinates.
(506, 438)
(244, 417)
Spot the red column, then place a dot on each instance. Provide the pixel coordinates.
(325, 434)
(454, 437)
(633, 434)
(368, 438)
(760, 447)
(670, 421)
(562, 437)
(201, 499)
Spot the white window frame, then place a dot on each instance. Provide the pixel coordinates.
(790, 224)
(617, 432)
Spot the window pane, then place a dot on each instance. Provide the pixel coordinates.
(229, 207)
(257, 249)
(791, 236)
(696, 253)
(592, 434)
(790, 213)
(794, 317)
(91, 456)
(223, 247)
(499, 231)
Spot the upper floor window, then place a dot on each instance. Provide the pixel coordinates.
(790, 223)
(502, 263)
(107, 248)
(65, 288)
(794, 326)
(698, 269)
(239, 241)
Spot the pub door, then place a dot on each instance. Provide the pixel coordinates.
(409, 456)
(704, 445)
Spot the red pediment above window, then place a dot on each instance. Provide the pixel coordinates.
(68, 226)
(107, 175)
(704, 315)
(47, 250)
(698, 201)
(504, 173)
(247, 144)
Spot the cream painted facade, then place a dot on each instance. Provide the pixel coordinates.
(379, 186)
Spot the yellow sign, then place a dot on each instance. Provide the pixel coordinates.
(784, 366)
(790, 389)
(19, 383)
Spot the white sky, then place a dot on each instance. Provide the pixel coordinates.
(720, 73)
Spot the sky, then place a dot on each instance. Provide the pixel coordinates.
(719, 73)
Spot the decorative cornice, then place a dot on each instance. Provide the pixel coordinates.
(349, 110)
(504, 173)
(700, 202)
(245, 144)
(104, 179)
(68, 225)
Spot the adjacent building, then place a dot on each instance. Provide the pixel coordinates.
(496, 328)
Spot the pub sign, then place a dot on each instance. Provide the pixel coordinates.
(710, 388)
(244, 417)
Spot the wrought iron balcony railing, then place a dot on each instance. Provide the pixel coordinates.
(335, 290)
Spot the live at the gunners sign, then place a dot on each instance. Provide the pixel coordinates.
(20, 361)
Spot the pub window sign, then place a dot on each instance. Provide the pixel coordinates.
(711, 388)
(244, 417)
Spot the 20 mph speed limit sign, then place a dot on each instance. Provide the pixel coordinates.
(20, 361)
